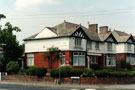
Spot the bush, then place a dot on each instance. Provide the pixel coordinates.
(76, 72)
(12, 67)
(124, 65)
(40, 72)
(54, 73)
(22, 71)
(118, 74)
(32, 70)
(88, 72)
(65, 71)
(101, 73)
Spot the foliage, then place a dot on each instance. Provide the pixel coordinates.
(64, 72)
(40, 72)
(101, 73)
(32, 70)
(76, 72)
(54, 72)
(88, 72)
(22, 71)
(12, 67)
(124, 65)
(12, 49)
(118, 74)
(96, 67)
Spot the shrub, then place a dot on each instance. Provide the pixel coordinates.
(76, 72)
(22, 71)
(101, 73)
(40, 72)
(124, 65)
(96, 67)
(118, 74)
(31, 70)
(131, 74)
(88, 72)
(12, 67)
(54, 73)
(65, 71)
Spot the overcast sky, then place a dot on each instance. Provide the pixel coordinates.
(33, 15)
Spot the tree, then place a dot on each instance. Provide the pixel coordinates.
(2, 16)
(12, 49)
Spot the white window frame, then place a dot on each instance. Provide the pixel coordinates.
(78, 42)
(79, 55)
(110, 59)
(30, 59)
(93, 60)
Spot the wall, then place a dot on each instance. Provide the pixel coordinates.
(72, 45)
(83, 80)
(43, 45)
(122, 48)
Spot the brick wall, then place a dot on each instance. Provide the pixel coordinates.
(83, 80)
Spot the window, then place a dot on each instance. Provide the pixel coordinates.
(78, 42)
(131, 59)
(110, 60)
(78, 59)
(97, 45)
(109, 46)
(30, 59)
(63, 58)
(89, 45)
(129, 47)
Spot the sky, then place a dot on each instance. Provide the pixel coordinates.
(31, 16)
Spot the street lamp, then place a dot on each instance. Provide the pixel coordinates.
(60, 58)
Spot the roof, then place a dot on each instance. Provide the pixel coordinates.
(104, 36)
(121, 36)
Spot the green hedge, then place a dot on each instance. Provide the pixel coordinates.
(76, 72)
(32, 70)
(22, 71)
(88, 72)
(54, 73)
(12, 67)
(101, 73)
(40, 72)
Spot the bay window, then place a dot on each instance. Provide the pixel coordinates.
(110, 60)
(78, 42)
(78, 59)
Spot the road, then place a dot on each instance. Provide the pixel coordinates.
(22, 87)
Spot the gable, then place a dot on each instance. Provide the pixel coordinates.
(45, 33)
(79, 33)
(130, 40)
(111, 39)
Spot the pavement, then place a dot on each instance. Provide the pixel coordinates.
(52, 85)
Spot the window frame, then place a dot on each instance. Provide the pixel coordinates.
(110, 58)
(78, 42)
(30, 59)
(109, 46)
(97, 46)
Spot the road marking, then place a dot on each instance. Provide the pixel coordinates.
(90, 89)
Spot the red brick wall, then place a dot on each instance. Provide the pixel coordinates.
(119, 57)
(83, 80)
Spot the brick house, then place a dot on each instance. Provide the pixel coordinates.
(80, 47)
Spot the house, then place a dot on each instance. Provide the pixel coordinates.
(125, 47)
(79, 47)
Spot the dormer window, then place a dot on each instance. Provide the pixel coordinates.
(109, 46)
(129, 47)
(78, 42)
(97, 45)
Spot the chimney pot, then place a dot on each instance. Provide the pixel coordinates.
(93, 28)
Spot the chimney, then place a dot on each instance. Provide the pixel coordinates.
(93, 28)
(103, 29)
